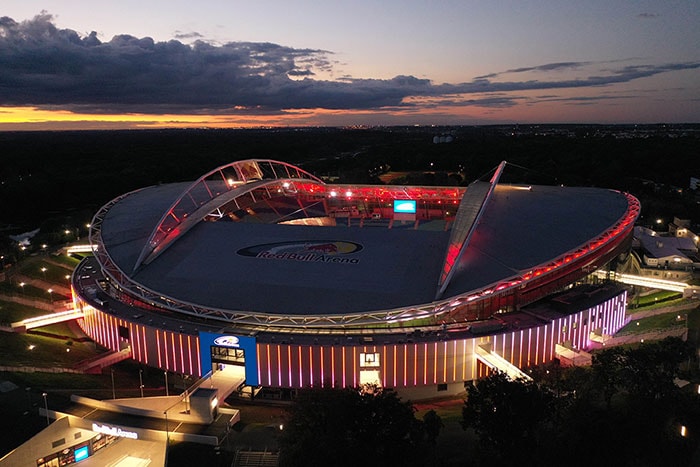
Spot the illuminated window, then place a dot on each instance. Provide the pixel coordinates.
(369, 360)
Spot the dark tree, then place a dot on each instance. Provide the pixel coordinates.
(350, 427)
(509, 416)
(607, 366)
(432, 423)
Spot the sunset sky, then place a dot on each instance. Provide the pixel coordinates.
(225, 63)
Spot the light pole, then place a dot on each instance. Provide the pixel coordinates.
(141, 381)
(43, 271)
(50, 291)
(167, 433)
(46, 408)
(166, 383)
(114, 394)
(21, 285)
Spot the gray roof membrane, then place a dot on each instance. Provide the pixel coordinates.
(297, 269)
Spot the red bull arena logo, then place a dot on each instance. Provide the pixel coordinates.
(318, 251)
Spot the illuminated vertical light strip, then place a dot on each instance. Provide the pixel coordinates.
(301, 376)
(165, 349)
(464, 360)
(394, 365)
(113, 333)
(332, 348)
(571, 330)
(354, 366)
(529, 347)
(101, 326)
(559, 339)
(135, 342)
(322, 366)
(425, 363)
(520, 356)
(145, 346)
(105, 328)
(172, 342)
(189, 352)
(415, 364)
(269, 368)
(160, 362)
(444, 364)
(182, 355)
(258, 352)
(98, 328)
(384, 366)
(474, 360)
(454, 360)
(544, 345)
(199, 357)
(537, 347)
(405, 365)
(134, 348)
(279, 365)
(581, 331)
(503, 346)
(345, 368)
(311, 365)
(108, 327)
(289, 366)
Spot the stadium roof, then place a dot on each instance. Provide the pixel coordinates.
(220, 264)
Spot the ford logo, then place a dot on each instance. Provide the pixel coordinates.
(226, 341)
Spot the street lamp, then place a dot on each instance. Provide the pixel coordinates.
(114, 394)
(166, 383)
(22, 284)
(141, 381)
(167, 433)
(43, 270)
(50, 291)
(46, 408)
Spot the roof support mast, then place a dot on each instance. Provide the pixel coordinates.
(471, 208)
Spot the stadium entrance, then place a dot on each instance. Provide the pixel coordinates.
(228, 359)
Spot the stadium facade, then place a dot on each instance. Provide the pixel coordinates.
(262, 269)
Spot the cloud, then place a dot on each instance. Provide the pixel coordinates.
(47, 67)
(179, 35)
(648, 15)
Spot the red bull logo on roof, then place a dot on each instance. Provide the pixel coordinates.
(325, 251)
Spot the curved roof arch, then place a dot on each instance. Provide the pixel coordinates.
(213, 190)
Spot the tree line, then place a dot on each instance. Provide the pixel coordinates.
(626, 409)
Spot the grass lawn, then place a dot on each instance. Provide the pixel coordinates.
(69, 262)
(41, 351)
(663, 321)
(54, 273)
(11, 312)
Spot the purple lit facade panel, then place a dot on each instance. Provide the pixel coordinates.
(401, 364)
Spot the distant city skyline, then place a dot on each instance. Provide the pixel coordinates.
(68, 65)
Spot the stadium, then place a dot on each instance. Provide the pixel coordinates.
(263, 271)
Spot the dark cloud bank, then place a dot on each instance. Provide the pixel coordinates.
(41, 65)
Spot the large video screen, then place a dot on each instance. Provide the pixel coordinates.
(407, 206)
(81, 453)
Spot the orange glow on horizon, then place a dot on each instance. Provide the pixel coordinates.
(35, 118)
